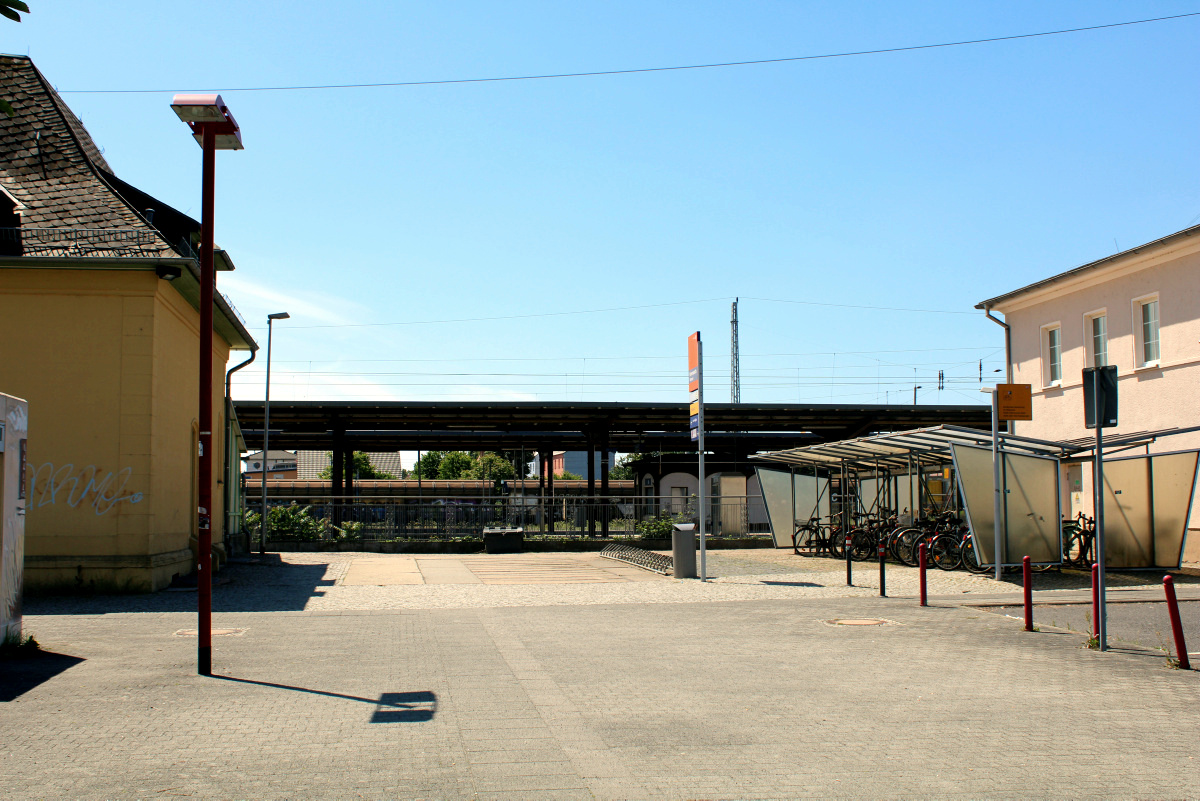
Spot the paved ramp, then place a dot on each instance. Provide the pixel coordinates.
(548, 568)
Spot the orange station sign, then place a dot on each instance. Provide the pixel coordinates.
(1014, 401)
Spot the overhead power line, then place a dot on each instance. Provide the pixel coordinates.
(535, 315)
(641, 70)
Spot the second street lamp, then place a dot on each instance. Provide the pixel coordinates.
(214, 129)
(262, 529)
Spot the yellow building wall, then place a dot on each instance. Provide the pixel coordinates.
(107, 361)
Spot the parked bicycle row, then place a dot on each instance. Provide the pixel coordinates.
(949, 543)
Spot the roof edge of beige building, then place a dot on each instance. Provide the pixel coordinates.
(1138, 310)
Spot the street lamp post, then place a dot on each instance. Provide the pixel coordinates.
(262, 529)
(214, 129)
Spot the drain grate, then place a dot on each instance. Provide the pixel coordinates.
(857, 621)
(215, 633)
(639, 558)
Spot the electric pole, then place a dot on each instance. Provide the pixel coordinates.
(735, 370)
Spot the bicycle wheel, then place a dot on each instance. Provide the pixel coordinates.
(906, 549)
(837, 544)
(970, 557)
(801, 538)
(862, 546)
(946, 551)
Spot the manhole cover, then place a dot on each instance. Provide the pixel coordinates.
(215, 632)
(857, 621)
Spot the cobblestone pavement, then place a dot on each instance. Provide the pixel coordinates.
(316, 582)
(669, 689)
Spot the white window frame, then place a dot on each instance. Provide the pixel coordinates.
(1048, 381)
(1139, 341)
(1089, 353)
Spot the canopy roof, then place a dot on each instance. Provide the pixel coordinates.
(893, 451)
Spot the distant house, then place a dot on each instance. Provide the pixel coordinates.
(280, 464)
(1138, 310)
(577, 462)
(99, 322)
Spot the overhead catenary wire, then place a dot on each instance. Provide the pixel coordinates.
(610, 309)
(646, 70)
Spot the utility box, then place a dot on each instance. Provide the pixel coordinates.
(14, 427)
(728, 497)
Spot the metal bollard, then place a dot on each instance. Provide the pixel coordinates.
(1027, 580)
(1176, 626)
(882, 571)
(1096, 600)
(849, 570)
(921, 561)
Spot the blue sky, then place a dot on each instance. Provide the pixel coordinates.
(920, 180)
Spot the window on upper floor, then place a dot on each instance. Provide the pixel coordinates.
(1145, 324)
(1051, 355)
(1096, 334)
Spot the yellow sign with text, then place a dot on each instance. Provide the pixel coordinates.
(1014, 401)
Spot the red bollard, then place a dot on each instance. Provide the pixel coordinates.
(1095, 600)
(921, 561)
(1027, 580)
(1176, 626)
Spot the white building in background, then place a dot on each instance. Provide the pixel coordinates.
(1138, 310)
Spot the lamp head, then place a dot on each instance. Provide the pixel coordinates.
(201, 111)
(278, 316)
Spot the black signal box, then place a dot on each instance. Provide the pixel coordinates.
(1100, 383)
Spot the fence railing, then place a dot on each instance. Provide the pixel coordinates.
(401, 519)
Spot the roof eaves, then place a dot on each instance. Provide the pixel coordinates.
(1075, 272)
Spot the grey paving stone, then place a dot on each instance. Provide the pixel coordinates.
(624, 698)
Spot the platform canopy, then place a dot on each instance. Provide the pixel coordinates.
(893, 451)
(742, 428)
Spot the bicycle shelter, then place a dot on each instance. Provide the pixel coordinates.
(1147, 496)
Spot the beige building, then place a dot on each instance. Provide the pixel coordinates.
(1138, 310)
(99, 318)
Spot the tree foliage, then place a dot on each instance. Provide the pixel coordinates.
(455, 465)
(623, 469)
(492, 466)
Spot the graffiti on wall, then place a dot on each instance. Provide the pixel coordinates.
(89, 487)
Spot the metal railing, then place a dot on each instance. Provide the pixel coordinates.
(386, 518)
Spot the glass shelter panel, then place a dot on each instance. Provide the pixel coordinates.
(1128, 535)
(1146, 505)
(1032, 509)
(1174, 482)
(974, 468)
(776, 488)
(792, 501)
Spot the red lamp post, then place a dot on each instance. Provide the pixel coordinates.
(214, 129)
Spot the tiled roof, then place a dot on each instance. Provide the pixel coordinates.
(50, 164)
(309, 464)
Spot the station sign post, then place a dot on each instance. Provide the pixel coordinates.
(1009, 402)
(1100, 412)
(696, 424)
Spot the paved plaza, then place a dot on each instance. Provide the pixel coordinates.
(348, 675)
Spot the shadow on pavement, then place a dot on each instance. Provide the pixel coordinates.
(260, 584)
(410, 707)
(19, 676)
